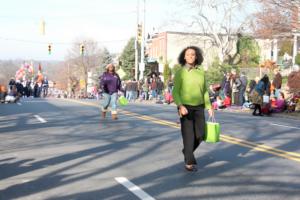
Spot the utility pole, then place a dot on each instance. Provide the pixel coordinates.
(295, 31)
(142, 63)
(136, 67)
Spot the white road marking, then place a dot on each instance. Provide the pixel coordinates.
(19, 103)
(134, 189)
(25, 180)
(40, 119)
(285, 126)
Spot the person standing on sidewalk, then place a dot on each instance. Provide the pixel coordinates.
(244, 83)
(129, 90)
(277, 81)
(110, 83)
(260, 89)
(191, 96)
(135, 89)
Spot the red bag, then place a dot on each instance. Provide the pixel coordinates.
(266, 109)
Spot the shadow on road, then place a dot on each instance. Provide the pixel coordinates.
(220, 166)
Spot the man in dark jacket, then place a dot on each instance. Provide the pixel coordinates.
(129, 90)
(243, 86)
(11, 83)
(160, 88)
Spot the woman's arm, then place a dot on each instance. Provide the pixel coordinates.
(207, 103)
(119, 84)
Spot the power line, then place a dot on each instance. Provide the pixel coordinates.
(58, 43)
(63, 17)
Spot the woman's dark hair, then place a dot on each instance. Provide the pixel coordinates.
(265, 79)
(199, 56)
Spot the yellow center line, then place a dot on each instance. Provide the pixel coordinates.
(261, 146)
(284, 155)
(225, 138)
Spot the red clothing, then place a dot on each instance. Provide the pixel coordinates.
(153, 85)
(273, 103)
(227, 101)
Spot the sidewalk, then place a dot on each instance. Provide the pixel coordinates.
(237, 109)
(232, 109)
(293, 115)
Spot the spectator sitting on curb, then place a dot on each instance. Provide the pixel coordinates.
(218, 104)
(227, 101)
(3, 93)
(12, 96)
(278, 104)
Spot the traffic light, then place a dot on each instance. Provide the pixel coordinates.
(49, 49)
(139, 33)
(82, 49)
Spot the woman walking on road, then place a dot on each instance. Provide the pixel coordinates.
(110, 84)
(191, 96)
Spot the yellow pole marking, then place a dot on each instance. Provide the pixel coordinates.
(225, 138)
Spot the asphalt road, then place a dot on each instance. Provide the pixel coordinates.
(59, 149)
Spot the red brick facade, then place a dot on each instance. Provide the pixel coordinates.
(158, 46)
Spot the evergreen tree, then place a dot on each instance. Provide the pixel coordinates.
(216, 71)
(249, 51)
(297, 59)
(166, 73)
(128, 59)
(104, 58)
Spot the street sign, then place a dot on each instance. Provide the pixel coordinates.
(142, 67)
(121, 73)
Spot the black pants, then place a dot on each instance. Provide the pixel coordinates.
(257, 106)
(192, 130)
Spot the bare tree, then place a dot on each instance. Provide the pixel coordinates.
(275, 17)
(285, 4)
(219, 21)
(80, 63)
(8, 69)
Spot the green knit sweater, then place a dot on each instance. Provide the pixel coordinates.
(190, 87)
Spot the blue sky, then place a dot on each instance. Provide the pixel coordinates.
(110, 22)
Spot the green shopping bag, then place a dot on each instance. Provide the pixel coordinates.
(212, 131)
(123, 101)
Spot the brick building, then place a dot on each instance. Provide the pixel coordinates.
(166, 46)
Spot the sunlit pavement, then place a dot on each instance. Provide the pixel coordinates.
(62, 149)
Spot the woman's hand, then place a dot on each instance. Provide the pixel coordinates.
(183, 110)
(211, 112)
